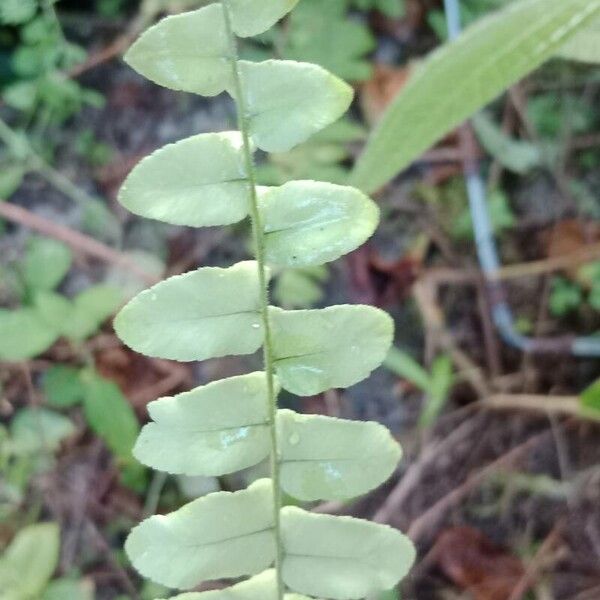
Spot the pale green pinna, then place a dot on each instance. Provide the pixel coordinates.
(232, 424)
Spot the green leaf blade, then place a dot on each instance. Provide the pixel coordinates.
(198, 182)
(324, 458)
(39, 429)
(404, 365)
(98, 302)
(251, 18)
(316, 350)
(62, 386)
(584, 46)
(590, 399)
(322, 33)
(69, 589)
(207, 313)
(16, 12)
(80, 318)
(212, 430)
(261, 587)
(289, 101)
(186, 52)
(517, 156)
(442, 379)
(463, 76)
(311, 223)
(30, 560)
(342, 558)
(24, 334)
(47, 261)
(220, 535)
(109, 414)
(54, 309)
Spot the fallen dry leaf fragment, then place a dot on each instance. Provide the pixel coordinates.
(569, 236)
(470, 559)
(377, 93)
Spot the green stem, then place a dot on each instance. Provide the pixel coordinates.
(21, 147)
(50, 12)
(259, 251)
(154, 492)
(60, 182)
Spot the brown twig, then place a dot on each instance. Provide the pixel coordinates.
(567, 405)
(591, 594)
(395, 500)
(557, 405)
(78, 241)
(425, 293)
(533, 268)
(537, 563)
(555, 263)
(146, 14)
(432, 516)
(113, 50)
(583, 142)
(175, 375)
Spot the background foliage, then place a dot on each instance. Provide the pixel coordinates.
(74, 123)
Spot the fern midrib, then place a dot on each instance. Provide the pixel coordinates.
(259, 252)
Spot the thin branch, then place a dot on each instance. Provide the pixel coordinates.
(586, 254)
(430, 519)
(394, 502)
(146, 14)
(76, 240)
(556, 263)
(22, 148)
(154, 493)
(557, 405)
(425, 294)
(537, 563)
